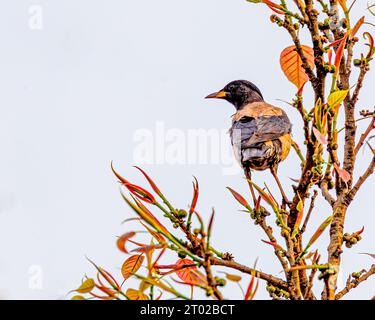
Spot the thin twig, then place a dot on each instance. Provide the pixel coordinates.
(312, 203)
(355, 282)
(325, 192)
(364, 135)
(369, 171)
(258, 274)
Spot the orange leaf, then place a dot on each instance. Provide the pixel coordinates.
(340, 53)
(190, 275)
(233, 277)
(370, 44)
(291, 64)
(147, 248)
(319, 136)
(343, 174)
(123, 239)
(159, 237)
(146, 214)
(136, 295)
(342, 4)
(131, 265)
(319, 231)
(356, 27)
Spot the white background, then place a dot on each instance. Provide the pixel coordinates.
(73, 94)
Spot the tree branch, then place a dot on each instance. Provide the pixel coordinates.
(355, 282)
(370, 170)
(258, 274)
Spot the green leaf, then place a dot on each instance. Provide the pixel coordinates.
(336, 98)
(299, 217)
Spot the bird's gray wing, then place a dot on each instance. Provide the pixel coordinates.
(249, 131)
(269, 128)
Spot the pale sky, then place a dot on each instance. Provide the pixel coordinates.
(83, 80)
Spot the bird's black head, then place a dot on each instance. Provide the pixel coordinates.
(238, 93)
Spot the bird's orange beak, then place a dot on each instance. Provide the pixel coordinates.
(217, 95)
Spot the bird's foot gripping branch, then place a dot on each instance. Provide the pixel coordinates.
(335, 62)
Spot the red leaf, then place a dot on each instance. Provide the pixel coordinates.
(140, 193)
(300, 90)
(151, 182)
(250, 292)
(273, 6)
(190, 275)
(257, 205)
(195, 195)
(273, 244)
(239, 198)
(330, 54)
(340, 52)
(109, 278)
(108, 291)
(274, 10)
(154, 265)
(359, 232)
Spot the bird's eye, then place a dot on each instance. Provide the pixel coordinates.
(231, 88)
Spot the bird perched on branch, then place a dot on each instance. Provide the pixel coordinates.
(260, 132)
